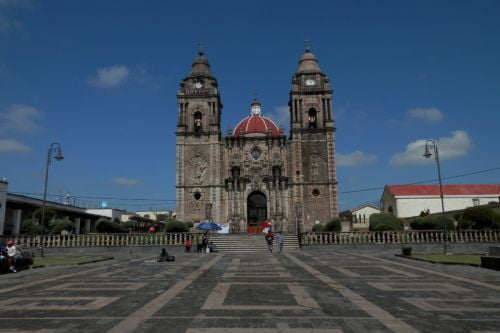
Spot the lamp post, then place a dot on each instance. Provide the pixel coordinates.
(432, 144)
(56, 149)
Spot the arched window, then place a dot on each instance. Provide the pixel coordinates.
(198, 122)
(312, 118)
(389, 210)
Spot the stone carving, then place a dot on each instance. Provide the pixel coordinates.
(199, 166)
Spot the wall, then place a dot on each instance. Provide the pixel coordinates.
(3, 204)
(413, 206)
(361, 217)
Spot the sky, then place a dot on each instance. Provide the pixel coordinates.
(101, 77)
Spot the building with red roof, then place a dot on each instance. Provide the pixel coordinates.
(411, 200)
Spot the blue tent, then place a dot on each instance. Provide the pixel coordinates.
(208, 226)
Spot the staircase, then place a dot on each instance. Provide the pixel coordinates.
(251, 243)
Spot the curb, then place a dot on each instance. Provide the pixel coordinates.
(436, 262)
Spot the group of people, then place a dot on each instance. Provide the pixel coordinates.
(200, 246)
(270, 240)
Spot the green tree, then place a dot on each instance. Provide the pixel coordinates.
(104, 225)
(49, 215)
(318, 227)
(59, 225)
(481, 217)
(176, 226)
(333, 225)
(30, 228)
(383, 222)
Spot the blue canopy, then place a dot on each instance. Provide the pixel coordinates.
(208, 226)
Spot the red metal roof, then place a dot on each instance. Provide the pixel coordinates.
(256, 124)
(467, 189)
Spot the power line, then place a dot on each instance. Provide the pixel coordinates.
(166, 201)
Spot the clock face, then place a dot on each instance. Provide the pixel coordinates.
(310, 82)
(198, 85)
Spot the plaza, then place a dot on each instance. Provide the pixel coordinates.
(317, 290)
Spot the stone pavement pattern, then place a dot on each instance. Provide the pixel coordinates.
(315, 291)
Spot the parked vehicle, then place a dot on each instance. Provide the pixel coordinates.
(23, 260)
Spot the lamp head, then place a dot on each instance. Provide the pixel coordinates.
(59, 155)
(427, 153)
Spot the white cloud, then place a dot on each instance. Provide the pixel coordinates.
(13, 146)
(355, 159)
(19, 118)
(431, 115)
(458, 145)
(109, 77)
(127, 181)
(280, 115)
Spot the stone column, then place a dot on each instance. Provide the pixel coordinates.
(77, 226)
(16, 220)
(87, 225)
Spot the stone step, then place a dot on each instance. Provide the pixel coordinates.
(250, 243)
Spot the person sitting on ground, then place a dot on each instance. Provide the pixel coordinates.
(163, 255)
(212, 247)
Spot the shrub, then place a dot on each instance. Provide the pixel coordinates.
(431, 223)
(106, 226)
(176, 226)
(128, 225)
(318, 227)
(189, 225)
(465, 224)
(48, 215)
(333, 226)
(30, 228)
(59, 225)
(382, 222)
(481, 217)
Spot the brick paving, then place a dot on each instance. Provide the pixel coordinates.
(315, 291)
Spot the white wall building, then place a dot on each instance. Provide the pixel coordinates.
(153, 214)
(411, 200)
(112, 213)
(361, 216)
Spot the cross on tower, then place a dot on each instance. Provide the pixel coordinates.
(307, 44)
(200, 48)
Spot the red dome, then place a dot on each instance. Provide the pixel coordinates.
(256, 124)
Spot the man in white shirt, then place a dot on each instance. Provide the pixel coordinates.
(11, 255)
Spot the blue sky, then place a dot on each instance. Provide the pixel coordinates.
(100, 77)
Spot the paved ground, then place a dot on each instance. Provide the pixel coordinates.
(309, 291)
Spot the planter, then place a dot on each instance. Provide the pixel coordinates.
(406, 251)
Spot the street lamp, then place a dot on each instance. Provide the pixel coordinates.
(428, 154)
(56, 149)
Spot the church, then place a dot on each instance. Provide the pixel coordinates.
(256, 172)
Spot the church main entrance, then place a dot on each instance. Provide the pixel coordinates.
(257, 212)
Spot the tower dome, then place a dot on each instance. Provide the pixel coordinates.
(256, 124)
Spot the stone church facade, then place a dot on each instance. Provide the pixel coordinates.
(256, 172)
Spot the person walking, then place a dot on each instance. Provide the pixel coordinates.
(270, 239)
(187, 244)
(11, 255)
(280, 239)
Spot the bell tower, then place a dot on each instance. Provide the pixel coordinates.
(312, 143)
(198, 144)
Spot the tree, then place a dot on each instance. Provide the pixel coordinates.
(479, 218)
(431, 223)
(383, 222)
(176, 226)
(30, 228)
(318, 227)
(49, 215)
(333, 225)
(161, 217)
(106, 226)
(59, 225)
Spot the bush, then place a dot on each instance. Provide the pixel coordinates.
(30, 228)
(48, 215)
(59, 225)
(189, 225)
(382, 222)
(318, 227)
(431, 223)
(333, 226)
(176, 226)
(128, 225)
(106, 226)
(481, 217)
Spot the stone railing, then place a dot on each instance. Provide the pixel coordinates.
(381, 237)
(104, 239)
